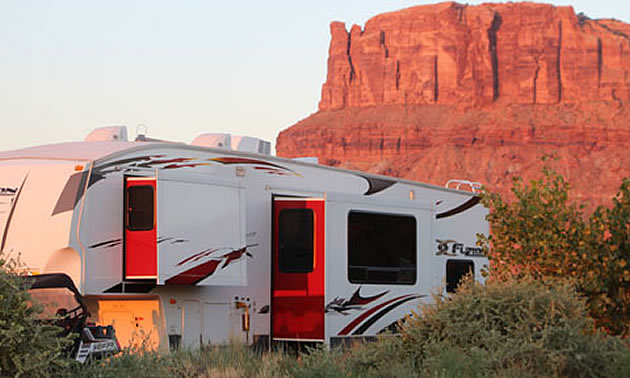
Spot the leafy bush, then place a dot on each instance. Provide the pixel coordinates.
(543, 235)
(27, 348)
(510, 327)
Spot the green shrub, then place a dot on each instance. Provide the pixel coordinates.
(507, 328)
(542, 234)
(27, 348)
(518, 327)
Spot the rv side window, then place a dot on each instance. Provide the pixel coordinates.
(295, 248)
(140, 208)
(455, 271)
(381, 248)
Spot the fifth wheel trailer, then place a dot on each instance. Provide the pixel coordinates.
(181, 245)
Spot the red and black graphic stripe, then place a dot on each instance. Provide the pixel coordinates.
(204, 270)
(194, 275)
(393, 303)
(234, 256)
(236, 160)
(262, 165)
(150, 161)
(147, 161)
(101, 171)
(346, 330)
(356, 302)
(273, 171)
(198, 255)
(459, 209)
(368, 323)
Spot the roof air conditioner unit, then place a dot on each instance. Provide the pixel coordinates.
(251, 144)
(213, 140)
(108, 134)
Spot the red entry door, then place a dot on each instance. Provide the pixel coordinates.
(297, 305)
(140, 228)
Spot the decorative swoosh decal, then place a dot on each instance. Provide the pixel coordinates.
(100, 172)
(393, 303)
(158, 161)
(204, 270)
(195, 275)
(170, 239)
(237, 160)
(376, 184)
(356, 302)
(461, 208)
(234, 256)
(368, 323)
(260, 165)
(346, 330)
(107, 244)
(198, 255)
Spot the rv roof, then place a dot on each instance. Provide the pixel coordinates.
(92, 151)
(68, 151)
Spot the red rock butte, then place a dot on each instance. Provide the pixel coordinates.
(481, 92)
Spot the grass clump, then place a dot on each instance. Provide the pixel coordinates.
(234, 360)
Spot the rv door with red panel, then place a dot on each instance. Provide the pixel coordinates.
(297, 311)
(140, 261)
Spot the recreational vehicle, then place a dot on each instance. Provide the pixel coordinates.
(182, 245)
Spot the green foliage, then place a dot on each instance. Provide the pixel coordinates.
(233, 360)
(320, 362)
(508, 328)
(518, 327)
(27, 348)
(603, 265)
(543, 235)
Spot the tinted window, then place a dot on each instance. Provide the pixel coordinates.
(295, 249)
(455, 271)
(140, 208)
(381, 248)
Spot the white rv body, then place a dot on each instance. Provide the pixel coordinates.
(181, 245)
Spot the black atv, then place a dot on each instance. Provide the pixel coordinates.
(63, 306)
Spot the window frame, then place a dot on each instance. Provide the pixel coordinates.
(128, 213)
(282, 268)
(470, 263)
(391, 268)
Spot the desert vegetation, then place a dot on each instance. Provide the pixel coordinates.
(545, 235)
(555, 303)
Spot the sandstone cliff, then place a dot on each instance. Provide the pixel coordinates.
(479, 92)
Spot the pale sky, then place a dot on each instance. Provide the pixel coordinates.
(181, 68)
